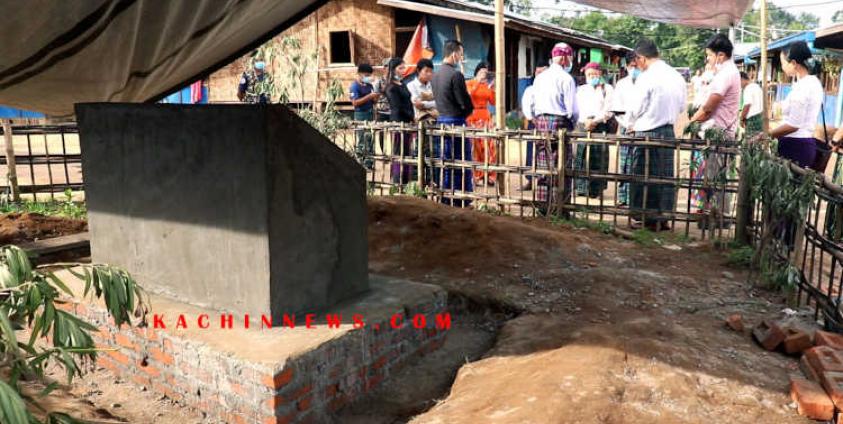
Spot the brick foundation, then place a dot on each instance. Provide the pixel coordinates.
(306, 386)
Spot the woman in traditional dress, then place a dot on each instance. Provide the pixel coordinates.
(482, 95)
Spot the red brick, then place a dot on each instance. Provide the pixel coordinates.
(380, 362)
(278, 380)
(304, 403)
(824, 358)
(168, 345)
(796, 341)
(808, 370)
(768, 334)
(302, 391)
(832, 382)
(105, 362)
(734, 321)
(150, 370)
(238, 419)
(336, 403)
(275, 401)
(811, 400)
(330, 391)
(141, 380)
(832, 340)
(159, 356)
(373, 382)
(124, 341)
(119, 357)
(238, 389)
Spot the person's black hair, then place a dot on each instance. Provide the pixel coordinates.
(390, 74)
(364, 68)
(744, 76)
(719, 43)
(799, 52)
(451, 46)
(481, 65)
(630, 57)
(424, 63)
(646, 48)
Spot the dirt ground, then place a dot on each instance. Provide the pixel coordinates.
(22, 227)
(553, 325)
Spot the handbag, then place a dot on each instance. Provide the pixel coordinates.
(823, 149)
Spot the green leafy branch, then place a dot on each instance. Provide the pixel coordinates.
(28, 299)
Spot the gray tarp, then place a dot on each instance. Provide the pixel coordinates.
(54, 53)
(696, 13)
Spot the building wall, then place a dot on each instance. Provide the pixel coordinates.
(371, 25)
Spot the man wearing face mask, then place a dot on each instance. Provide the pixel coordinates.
(719, 110)
(363, 98)
(622, 100)
(594, 100)
(255, 84)
(659, 97)
(555, 108)
(454, 105)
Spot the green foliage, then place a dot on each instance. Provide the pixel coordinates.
(28, 298)
(778, 19)
(680, 46)
(296, 66)
(741, 256)
(66, 208)
(599, 226)
(518, 6)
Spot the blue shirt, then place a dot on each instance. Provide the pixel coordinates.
(359, 91)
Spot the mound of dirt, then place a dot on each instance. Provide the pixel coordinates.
(16, 228)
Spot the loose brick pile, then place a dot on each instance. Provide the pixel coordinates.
(306, 388)
(819, 394)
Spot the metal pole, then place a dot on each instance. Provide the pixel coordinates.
(763, 68)
(500, 67)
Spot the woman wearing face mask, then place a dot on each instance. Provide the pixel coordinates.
(595, 105)
(401, 110)
(482, 95)
(801, 108)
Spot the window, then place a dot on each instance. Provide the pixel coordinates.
(341, 47)
(402, 41)
(406, 22)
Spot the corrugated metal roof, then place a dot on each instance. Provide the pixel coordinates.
(516, 21)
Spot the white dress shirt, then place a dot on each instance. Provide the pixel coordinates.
(801, 108)
(754, 97)
(528, 103)
(659, 97)
(555, 93)
(622, 99)
(595, 102)
(417, 88)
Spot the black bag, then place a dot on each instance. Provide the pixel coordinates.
(823, 149)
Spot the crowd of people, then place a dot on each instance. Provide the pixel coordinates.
(647, 101)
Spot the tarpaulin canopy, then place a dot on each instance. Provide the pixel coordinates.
(695, 13)
(54, 53)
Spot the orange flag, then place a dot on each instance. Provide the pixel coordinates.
(418, 49)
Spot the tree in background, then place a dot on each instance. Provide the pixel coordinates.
(781, 22)
(523, 7)
(680, 46)
(837, 17)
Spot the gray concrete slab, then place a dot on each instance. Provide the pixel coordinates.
(240, 208)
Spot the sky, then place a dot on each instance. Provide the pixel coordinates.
(824, 10)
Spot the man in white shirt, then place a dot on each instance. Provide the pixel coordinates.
(594, 100)
(753, 104)
(660, 96)
(421, 92)
(622, 102)
(528, 109)
(555, 94)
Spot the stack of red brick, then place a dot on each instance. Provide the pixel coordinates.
(819, 394)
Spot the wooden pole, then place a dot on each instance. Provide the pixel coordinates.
(763, 68)
(10, 160)
(500, 67)
(458, 32)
